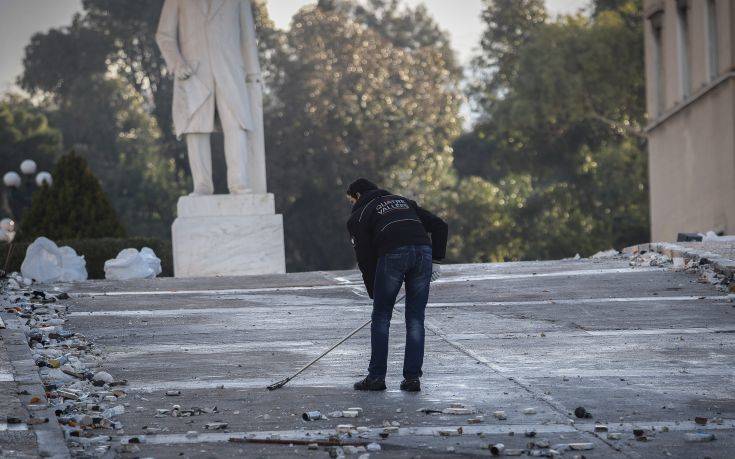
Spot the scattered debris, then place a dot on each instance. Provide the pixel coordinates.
(605, 254)
(500, 415)
(497, 449)
(614, 436)
(581, 446)
(46, 262)
(699, 437)
(345, 428)
(131, 264)
(216, 426)
(582, 413)
(529, 411)
(458, 410)
(450, 432)
(702, 421)
(173, 393)
(476, 420)
(312, 416)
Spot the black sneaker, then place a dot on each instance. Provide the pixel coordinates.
(370, 384)
(411, 385)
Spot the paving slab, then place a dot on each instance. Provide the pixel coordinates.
(640, 348)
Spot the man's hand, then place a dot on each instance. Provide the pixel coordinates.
(436, 271)
(184, 72)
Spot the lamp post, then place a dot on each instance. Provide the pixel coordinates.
(17, 189)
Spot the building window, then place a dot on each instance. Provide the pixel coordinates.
(657, 26)
(682, 8)
(713, 64)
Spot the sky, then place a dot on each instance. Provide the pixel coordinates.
(20, 19)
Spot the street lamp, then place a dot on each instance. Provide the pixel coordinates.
(12, 179)
(44, 178)
(28, 167)
(16, 195)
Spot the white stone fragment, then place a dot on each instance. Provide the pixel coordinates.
(581, 446)
(529, 411)
(344, 428)
(500, 415)
(103, 376)
(373, 447)
(699, 437)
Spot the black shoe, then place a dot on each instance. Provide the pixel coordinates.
(370, 384)
(411, 385)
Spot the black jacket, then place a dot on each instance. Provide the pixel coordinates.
(382, 221)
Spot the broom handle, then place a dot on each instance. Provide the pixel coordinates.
(337, 344)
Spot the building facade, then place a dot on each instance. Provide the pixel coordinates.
(690, 80)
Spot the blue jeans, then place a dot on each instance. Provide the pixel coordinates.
(412, 264)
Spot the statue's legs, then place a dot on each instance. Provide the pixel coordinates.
(236, 150)
(200, 162)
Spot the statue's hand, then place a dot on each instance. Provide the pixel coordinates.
(184, 72)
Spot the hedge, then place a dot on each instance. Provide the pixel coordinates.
(96, 252)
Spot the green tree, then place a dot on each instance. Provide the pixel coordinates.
(73, 207)
(562, 106)
(352, 103)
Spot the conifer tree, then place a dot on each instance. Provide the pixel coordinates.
(73, 207)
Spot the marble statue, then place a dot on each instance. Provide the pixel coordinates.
(210, 47)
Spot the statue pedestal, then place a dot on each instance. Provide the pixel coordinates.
(228, 235)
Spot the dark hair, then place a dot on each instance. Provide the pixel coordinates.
(360, 185)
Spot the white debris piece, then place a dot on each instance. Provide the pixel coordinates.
(458, 410)
(47, 262)
(500, 415)
(373, 447)
(529, 411)
(131, 264)
(344, 428)
(711, 236)
(605, 254)
(699, 437)
(581, 446)
(103, 376)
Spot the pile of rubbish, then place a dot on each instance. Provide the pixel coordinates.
(131, 264)
(46, 262)
(86, 401)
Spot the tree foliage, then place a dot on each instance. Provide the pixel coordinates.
(561, 111)
(73, 207)
(354, 103)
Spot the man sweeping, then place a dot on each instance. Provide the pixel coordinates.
(390, 235)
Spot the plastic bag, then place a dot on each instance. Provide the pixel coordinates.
(131, 264)
(47, 262)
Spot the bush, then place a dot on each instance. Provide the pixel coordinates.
(73, 207)
(97, 251)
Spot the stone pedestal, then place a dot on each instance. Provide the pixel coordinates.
(228, 235)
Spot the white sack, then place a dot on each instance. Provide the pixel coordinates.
(131, 264)
(47, 262)
(711, 236)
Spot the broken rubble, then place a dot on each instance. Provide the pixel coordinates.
(699, 437)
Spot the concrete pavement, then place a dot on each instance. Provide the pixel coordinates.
(644, 349)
